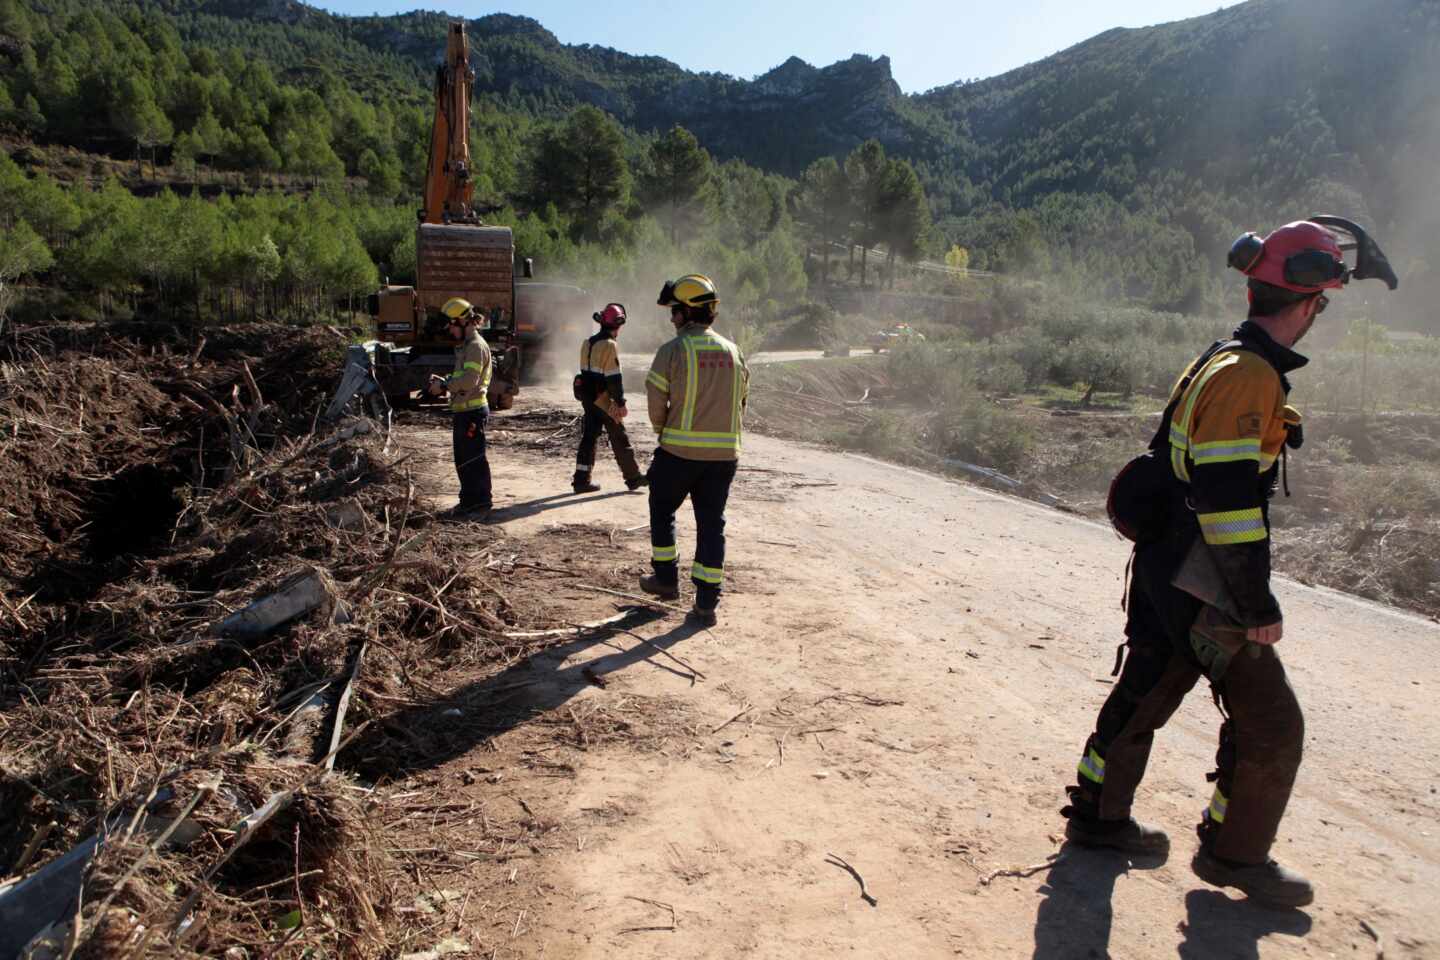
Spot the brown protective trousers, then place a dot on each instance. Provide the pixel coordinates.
(1261, 739)
(594, 421)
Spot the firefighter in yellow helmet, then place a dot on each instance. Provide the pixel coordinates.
(696, 394)
(468, 387)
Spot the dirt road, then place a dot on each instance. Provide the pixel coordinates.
(904, 672)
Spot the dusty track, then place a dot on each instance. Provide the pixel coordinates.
(904, 672)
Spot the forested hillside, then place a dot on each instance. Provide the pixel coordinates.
(1121, 167)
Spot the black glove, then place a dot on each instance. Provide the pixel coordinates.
(1294, 435)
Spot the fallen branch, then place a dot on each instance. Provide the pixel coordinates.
(861, 698)
(28, 854)
(653, 903)
(565, 631)
(344, 705)
(835, 861)
(1374, 935)
(648, 601)
(663, 652)
(1029, 871)
(737, 716)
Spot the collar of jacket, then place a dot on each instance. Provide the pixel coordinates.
(1283, 359)
(693, 329)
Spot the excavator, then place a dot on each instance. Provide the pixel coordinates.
(456, 255)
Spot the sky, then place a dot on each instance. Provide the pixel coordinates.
(930, 42)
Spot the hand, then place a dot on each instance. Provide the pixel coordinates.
(436, 387)
(1266, 636)
(621, 412)
(1294, 436)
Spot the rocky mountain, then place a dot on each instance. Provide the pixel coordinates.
(1262, 109)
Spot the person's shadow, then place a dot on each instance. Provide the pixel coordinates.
(528, 508)
(1074, 918)
(1217, 926)
(427, 735)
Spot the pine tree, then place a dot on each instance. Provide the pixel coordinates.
(138, 116)
(865, 169)
(31, 119)
(904, 213)
(825, 205)
(677, 179)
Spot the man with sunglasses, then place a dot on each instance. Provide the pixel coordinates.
(1199, 597)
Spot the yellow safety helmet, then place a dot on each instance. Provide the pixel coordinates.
(691, 290)
(457, 308)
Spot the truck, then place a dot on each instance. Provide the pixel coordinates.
(459, 255)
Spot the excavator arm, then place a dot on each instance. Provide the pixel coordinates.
(448, 187)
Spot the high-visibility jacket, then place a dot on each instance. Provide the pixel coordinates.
(469, 385)
(696, 392)
(1227, 431)
(600, 367)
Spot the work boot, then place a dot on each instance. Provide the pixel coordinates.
(1266, 883)
(704, 617)
(657, 588)
(635, 483)
(1128, 835)
(584, 486)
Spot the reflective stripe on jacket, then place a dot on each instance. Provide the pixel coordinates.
(696, 392)
(1226, 434)
(600, 366)
(469, 385)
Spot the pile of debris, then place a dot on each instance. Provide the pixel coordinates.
(205, 590)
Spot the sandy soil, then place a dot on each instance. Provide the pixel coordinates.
(903, 675)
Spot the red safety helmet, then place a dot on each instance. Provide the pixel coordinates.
(612, 317)
(1302, 257)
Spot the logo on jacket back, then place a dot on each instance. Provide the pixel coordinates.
(1248, 425)
(716, 361)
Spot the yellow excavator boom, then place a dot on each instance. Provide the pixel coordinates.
(449, 191)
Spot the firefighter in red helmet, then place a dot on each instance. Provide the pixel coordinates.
(1200, 601)
(601, 390)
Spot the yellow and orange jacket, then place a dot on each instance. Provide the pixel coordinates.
(696, 393)
(469, 385)
(1226, 434)
(600, 368)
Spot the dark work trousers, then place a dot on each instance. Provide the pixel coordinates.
(1260, 739)
(470, 460)
(707, 484)
(595, 421)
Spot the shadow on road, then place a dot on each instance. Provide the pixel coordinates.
(1074, 917)
(529, 508)
(428, 735)
(1217, 926)
(1073, 921)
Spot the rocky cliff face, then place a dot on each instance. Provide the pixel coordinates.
(791, 114)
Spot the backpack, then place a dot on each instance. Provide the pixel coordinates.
(1143, 494)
